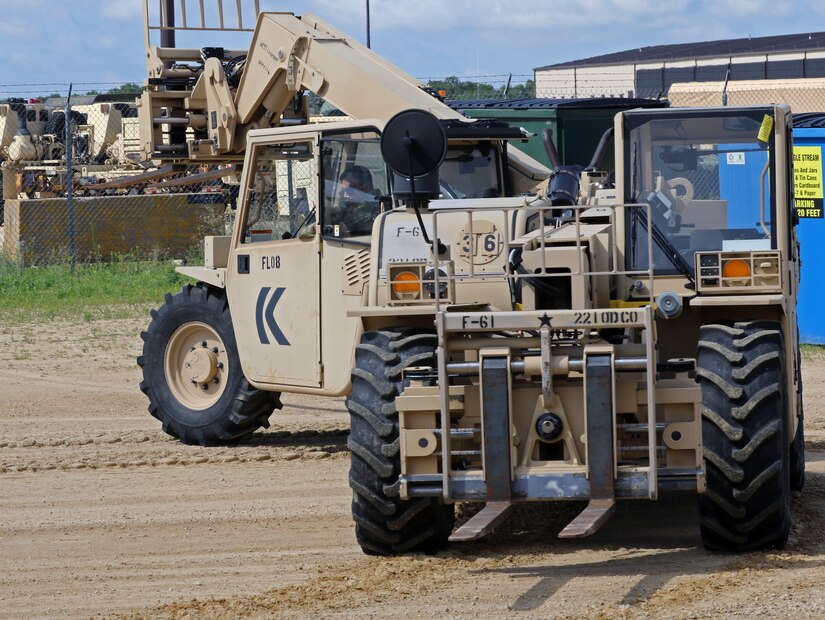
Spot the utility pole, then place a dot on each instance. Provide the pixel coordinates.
(368, 24)
(167, 16)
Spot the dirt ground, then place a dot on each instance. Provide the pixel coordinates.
(102, 515)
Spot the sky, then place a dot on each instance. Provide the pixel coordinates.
(99, 43)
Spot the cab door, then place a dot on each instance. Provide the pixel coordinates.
(273, 276)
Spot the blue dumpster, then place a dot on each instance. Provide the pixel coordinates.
(809, 138)
(739, 174)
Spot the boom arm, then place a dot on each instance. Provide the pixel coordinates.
(288, 55)
(194, 112)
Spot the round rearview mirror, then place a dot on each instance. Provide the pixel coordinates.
(414, 143)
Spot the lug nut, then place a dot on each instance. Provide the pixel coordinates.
(203, 343)
(188, 365)
(219, 365)
(214, 349)
(216, 381)
(205, 387)
(192, 349)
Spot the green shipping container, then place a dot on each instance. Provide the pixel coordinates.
(577, 124)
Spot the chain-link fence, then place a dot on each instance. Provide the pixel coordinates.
(75, 188)
(106, 202)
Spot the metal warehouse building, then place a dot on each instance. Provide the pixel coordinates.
(650, 71)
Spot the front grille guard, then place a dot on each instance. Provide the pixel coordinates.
(541, 208)
(527, 321)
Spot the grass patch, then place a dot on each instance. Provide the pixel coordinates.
(813, 351)
(119, 289)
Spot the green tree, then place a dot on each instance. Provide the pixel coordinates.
(127, 88)
(461, 89)
(522, 91)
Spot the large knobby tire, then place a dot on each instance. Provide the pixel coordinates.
(192, 374)
(746, 449)
(385, 524)
(798, 445)
(798, 456)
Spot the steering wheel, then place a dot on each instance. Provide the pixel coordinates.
(681, 189)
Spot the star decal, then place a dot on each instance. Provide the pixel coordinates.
(544, 321)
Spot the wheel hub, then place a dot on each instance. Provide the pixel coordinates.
(196, 365)
(201, 365)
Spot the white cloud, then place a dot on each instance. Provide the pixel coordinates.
(461, 16)
(12, 28)
(737, 9)
(122, 10)
(424, 37)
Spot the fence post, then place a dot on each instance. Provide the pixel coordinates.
(725, 88)
(289, 189)
(69, 179)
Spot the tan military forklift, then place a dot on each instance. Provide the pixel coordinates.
(616, 336)
(200, 105)
(620, 335)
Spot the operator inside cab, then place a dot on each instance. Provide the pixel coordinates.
(355, 204)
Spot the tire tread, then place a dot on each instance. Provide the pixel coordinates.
(741, 371)
(245, 412)
(384, 523)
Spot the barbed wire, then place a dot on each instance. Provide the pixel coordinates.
(481, 75)
(67, 83)
(484, 77)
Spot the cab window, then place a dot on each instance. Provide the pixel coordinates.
(471, 171)
(281, 193)
(709, 180)
(355, 180)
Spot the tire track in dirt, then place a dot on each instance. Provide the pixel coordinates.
(76, 544)
(74, 383)
(333, 588)
(647, 564)
(138, 449)
(104, 514)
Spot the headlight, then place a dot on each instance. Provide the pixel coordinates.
(414, 283)
(406, 285)
(429, 283)
(742, 271)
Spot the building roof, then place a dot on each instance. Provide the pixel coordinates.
(801, 42)
(551, 104)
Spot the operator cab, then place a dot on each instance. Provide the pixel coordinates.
(355, 184)
(709, 178)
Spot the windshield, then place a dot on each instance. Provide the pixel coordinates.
(470, 172)
(709, 180)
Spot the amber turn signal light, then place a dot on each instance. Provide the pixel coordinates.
(736, 268)
(405, 282)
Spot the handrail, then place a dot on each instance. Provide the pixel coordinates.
(762, 198)
(210, 17)
(614, 270)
